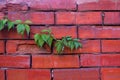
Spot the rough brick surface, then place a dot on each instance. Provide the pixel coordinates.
(99, 32)
(24, 47)
(2, 76)
(76, 74)
(28, 74)
(110, 73)
(15, 61)
(54, 61)
(111, 46)
(1, 15)
(112, 18)
(100, 60)
(2, 46)
(35, 17)
(78, 18)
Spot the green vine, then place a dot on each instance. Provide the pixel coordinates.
(42, 38)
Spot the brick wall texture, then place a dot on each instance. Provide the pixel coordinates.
(95, 22)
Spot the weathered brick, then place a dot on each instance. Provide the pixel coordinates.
(66, 17)
(111, 45)
(88, 46)
(55, 61)
(2, 76)
(14, 61)
(78, 18)
(35, 17)
(76, 74)
(2, 4)
(47, 4)
(99, 32)
(112, 18)
(2, 46)
(88, 18)
(100, 60)
(110, 73)
(1, 15)
(84, 5)
(24, 47)
(28, 74)
(5, 34)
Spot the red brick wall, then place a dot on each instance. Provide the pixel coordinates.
(95, 22)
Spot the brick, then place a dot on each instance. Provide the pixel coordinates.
(110, 45)
(66, 17)
(2, 46)
(5, 34)
(88, 46)
(47, 4)
(99, 32)
(28, 74)
(2, 4)
(100, 60)
(78, 18)
(35, 17)
(88, 18)
(2, 76)
(56, 31)
(76, 74)
(14, 61)
(98, 5)
(17, 7)
(55, 61)
(110, 73)
(1, 15)
(112, 18)
(24, 47)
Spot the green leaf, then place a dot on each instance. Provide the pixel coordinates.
(28, 22)
(27, 28)
(1, 24)
(71, 45)
(10, 25)
(45, 37)
(50, 41)
(20, 29)
(38, 39)
(5, 21)
(59, 47)
(18, 22)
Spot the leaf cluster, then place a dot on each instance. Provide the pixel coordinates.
(45, 37)
(21, 26)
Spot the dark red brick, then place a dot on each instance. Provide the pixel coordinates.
(112, 18)
(55, 61)
(47, 4)
(35, 17)
(24, 47)
(111, 45)
(28, 74)
(99, 32)
(14, 61)
(76, 74)
(100, 60)
(98, 5)
(1, 15)
(110, 73)
(2, 46)
(2, 76)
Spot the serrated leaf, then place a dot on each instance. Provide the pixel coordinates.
(18, 22)
(27, 28)
(45, 37)
(10, 25)
(36, 37)
(40, 42)
(59, 47)
(28, 22)
(1, 24)
(50, 41)
(20, 29)
(71, 45)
